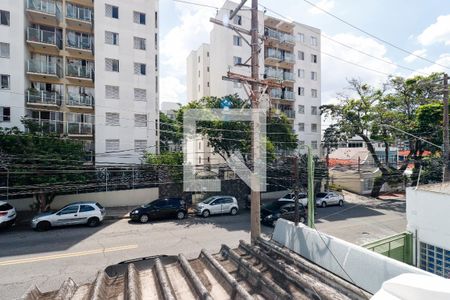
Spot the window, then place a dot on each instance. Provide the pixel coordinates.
(73, 209)
(314, 110)
(156, 62)
(86, 208)
(4, 17)
(4, 82)
(112, 145)
(207, 69)
(5, 114)
(207, 84)
(301, 55)
(139, 43)
(301, 109)
(112, 92)
(139, 18)
(140, 94)
(314, 93)
(207, 54)
(199, 73)
(198, 59)
(111, 38)
(301, 143)
(313, 127)
(237, 60)
(434, 259)
(237, 41)
(139, 69)
(111, 65)
(140, 145)
(140, 120)
(301, 37)
(4, 50)
(111, 11)
(301, 126)
(313, 75)
(314, 41)
(314, 58)
(156, 41)
(112, 119)
(301, 91)
(156, 19)
(301, 73)
(237, 20)
(314, 145)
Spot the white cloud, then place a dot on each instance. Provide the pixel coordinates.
(438, 32)
(323, 4)
(172, 89)
(410, 58)
(443, 60)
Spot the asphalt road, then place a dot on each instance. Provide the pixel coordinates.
(46, 259)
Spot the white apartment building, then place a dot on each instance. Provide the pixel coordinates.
(291, 57)
(83, 69)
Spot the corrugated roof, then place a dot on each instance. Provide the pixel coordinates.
(261, 271)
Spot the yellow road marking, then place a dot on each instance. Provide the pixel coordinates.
(65, 255)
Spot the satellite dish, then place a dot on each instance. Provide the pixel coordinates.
(264, 101)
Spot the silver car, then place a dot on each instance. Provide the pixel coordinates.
(88, 213)
(217, 205)
(7, 214)
(329, 198)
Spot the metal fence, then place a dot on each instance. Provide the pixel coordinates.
(398, 247)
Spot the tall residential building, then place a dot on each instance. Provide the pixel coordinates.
(83, 69)
(290, 56)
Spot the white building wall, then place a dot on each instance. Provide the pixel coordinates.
(191, 76)
(15, 64)
(126, 106)
(198, 73)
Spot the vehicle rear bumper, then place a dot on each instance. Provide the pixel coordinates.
(7, 223)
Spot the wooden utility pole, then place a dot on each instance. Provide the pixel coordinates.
(446, 143)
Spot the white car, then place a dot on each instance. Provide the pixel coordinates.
(7, 214)
(88, 213)
(217, 205)
(302, 198)
(329, 198)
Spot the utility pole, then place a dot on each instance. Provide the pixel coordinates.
(311, 203)
(446, 144)
(296, 188)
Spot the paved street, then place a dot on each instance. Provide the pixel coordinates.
(48, 258)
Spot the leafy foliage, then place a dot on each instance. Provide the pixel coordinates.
(170, 133)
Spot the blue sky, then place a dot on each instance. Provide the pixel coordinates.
(419, 26)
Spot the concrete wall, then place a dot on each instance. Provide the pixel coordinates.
(365, 268)
(107, 199)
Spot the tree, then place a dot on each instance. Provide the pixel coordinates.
(40, 163)
(331, 138)
(170, 133)
(168, 165)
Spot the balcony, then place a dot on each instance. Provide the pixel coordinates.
(79, 18)
(272, 34)
(79, 72)
(88, 3)
(39, 69)
(287, 60)
(80, 129)
(80, 101)
(44, 11)
(289, 113)
(288, 76)
(272, 73)
(286, 38)
(288, 95)
(272, 56)
(50, 126)
(43, 40)
(275, 93)
(43, 98)
(79, 46)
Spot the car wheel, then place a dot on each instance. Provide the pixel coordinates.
(93, 222)
(181, 215)
(233, 211)
(323, 204)
(43, 226)
(341, 203)
(302, 220)
(144, 218)
(205, 213)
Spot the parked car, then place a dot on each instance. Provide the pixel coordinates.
(217, 205)
(329, 198)
(302, 198)
(88, 213)
(7, 214)
(271, 212)
(160, 209)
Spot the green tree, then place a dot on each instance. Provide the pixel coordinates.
(168, 165)
(170, 133)
(331, 138)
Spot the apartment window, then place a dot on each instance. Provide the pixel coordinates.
(314, 58)
(208, 84)
(156, 62)
(140, 94)
(111, 65)
(301, 143)
(140, 145)
(301, 37)
(140, 120)
(199, 74)
(301, 73)
(314, 41)
(301, 109)
(112, 119)
(237, 60)
(111, 92)
(313, 75)
(314, 93)
(139, 43)
(156, 41)
(237, 41)
(4, 50)
(207, 69)
(314, 110)
(111, 38)
(314, 145)
(139, 69)
(207, 54)
(156, 19)
(112, 145)
(237, 20)
(301, 91)
(313, 127)
(301, 55)
(111, 11)
(139, 18)
(4, 17)
(4, 82)
(5, 114)
(301, 126)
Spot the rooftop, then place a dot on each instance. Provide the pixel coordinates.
(261, 271)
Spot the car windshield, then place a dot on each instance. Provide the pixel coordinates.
(274, 205)
(209, 200)
(321, 195)
(149, 204)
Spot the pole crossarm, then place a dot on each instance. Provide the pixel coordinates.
(236, 10)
